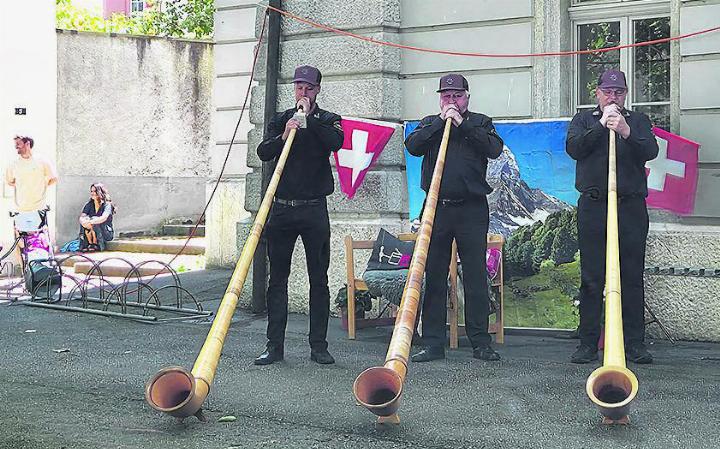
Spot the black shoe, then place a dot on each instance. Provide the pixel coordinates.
(270, 356)
(485, 353)
(584, 354)
(638, 353)
(322, 357)
(428, 354)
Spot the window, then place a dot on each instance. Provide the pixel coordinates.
(137, 6)
(651, 71)
(647, 68)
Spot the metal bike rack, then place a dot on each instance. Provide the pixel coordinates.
(131, 296)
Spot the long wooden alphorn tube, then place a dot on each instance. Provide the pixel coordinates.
(379, 388)
(612, 386)
(180, 393)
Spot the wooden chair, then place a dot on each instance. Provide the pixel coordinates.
(356, 284)
(497, 328)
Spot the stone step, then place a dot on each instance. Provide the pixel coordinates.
(196, 246)
(184, 221)
(114, 264)
(183, 230)
(134, 258)
(117, 268)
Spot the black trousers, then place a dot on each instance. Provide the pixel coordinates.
(632, 234)
(467, 223)
(312, 224)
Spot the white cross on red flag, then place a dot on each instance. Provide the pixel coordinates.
(672, 176)
(364, 141)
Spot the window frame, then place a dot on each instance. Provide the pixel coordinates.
(609, 6)
(582, 15)
(132, 4)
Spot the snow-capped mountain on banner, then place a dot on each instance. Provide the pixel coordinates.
(513, 203)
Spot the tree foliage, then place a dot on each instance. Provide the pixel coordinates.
(176, 18)
(531, 247)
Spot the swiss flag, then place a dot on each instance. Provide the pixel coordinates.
(672, 175)
(364, 141)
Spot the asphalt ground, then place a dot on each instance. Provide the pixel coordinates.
(77, 380)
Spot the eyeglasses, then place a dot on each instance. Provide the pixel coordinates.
(616, 92)
(453, 94)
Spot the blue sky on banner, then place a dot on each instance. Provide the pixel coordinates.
(539, 149)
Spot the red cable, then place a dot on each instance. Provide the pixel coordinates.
(484, 55)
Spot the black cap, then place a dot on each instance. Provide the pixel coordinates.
(612, 79)
(453, 81)
(307, 74)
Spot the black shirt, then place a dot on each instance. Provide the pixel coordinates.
(587, 143)
(307, 174)
(470, 146)
(90, 211)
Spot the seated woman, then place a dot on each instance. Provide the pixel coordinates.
(96, 220)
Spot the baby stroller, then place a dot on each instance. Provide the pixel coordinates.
(40, 273)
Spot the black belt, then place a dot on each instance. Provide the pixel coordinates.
(293, 203)
(595, 195)
(448, 202)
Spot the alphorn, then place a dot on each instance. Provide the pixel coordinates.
(379, 388)
(612, 386)
(180, 393)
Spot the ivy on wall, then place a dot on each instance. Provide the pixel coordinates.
(176, 18)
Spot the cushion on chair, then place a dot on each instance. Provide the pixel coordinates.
(390, 253)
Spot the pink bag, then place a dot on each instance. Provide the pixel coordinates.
(493, 258)
(37, 246)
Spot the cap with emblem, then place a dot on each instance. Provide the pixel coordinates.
(612, 79)
(453, 81)
(307, 74)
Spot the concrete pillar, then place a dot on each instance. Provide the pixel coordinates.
(552, 76)
(233, 50)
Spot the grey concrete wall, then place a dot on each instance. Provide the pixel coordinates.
(134, 113)
(143, 203)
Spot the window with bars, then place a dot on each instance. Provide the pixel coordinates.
(647, 67)
(137, 6)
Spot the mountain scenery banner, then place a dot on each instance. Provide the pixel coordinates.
(532, 178)
(533, 206)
